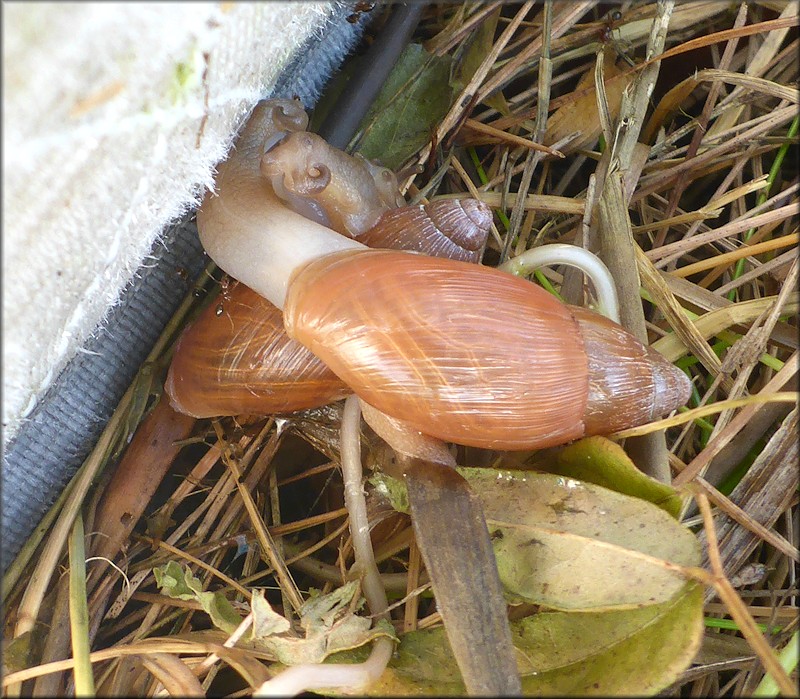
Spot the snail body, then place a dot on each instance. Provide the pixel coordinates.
(271, 122)
(245, 228)
(336, 189)
(473, 355)
(242, 361)
(385, 182)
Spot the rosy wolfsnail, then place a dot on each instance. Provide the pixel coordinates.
(361, 200)
(341, 191)
(242, 361)
(451, 228)
(472, 355)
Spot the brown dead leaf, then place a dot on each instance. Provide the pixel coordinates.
(581, 114)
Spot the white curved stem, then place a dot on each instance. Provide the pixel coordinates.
(300, 678)
(357, 508)
(561, 254)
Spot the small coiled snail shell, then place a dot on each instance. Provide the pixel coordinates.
(473, 355)
(451, 228)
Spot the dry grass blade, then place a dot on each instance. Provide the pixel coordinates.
(701, 461)
(267, 542)
(737, 607)
(173, 674)
(747, 521)
(78, 612)
(764, 494)
(498, 135)
(669, 306)
(714, 322)
(746, 251)
(705, 411)
(147, 647)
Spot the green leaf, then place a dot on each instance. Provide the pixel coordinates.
(172, 581)
(393, 489)
(221, 611)
(567, 544)
(266, 621)
(16, 653)
(413, 101)
(179, 583)
(479, 46)
(628, 652)
(603, 462)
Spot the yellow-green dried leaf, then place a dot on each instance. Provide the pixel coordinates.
(567, 544)
(179, 583)
(320, 612)
(172, 581)
(328, 621)
(266, 621)
(16, 653)
(630, 652)
(581, 114)
(651, 648)
(603, 462)
(393, 489)
(479, 47)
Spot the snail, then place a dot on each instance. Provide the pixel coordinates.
(361, 200)
(242, 361)
(474, 355)
(453, 228)
(345, 193)
(464, 353)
